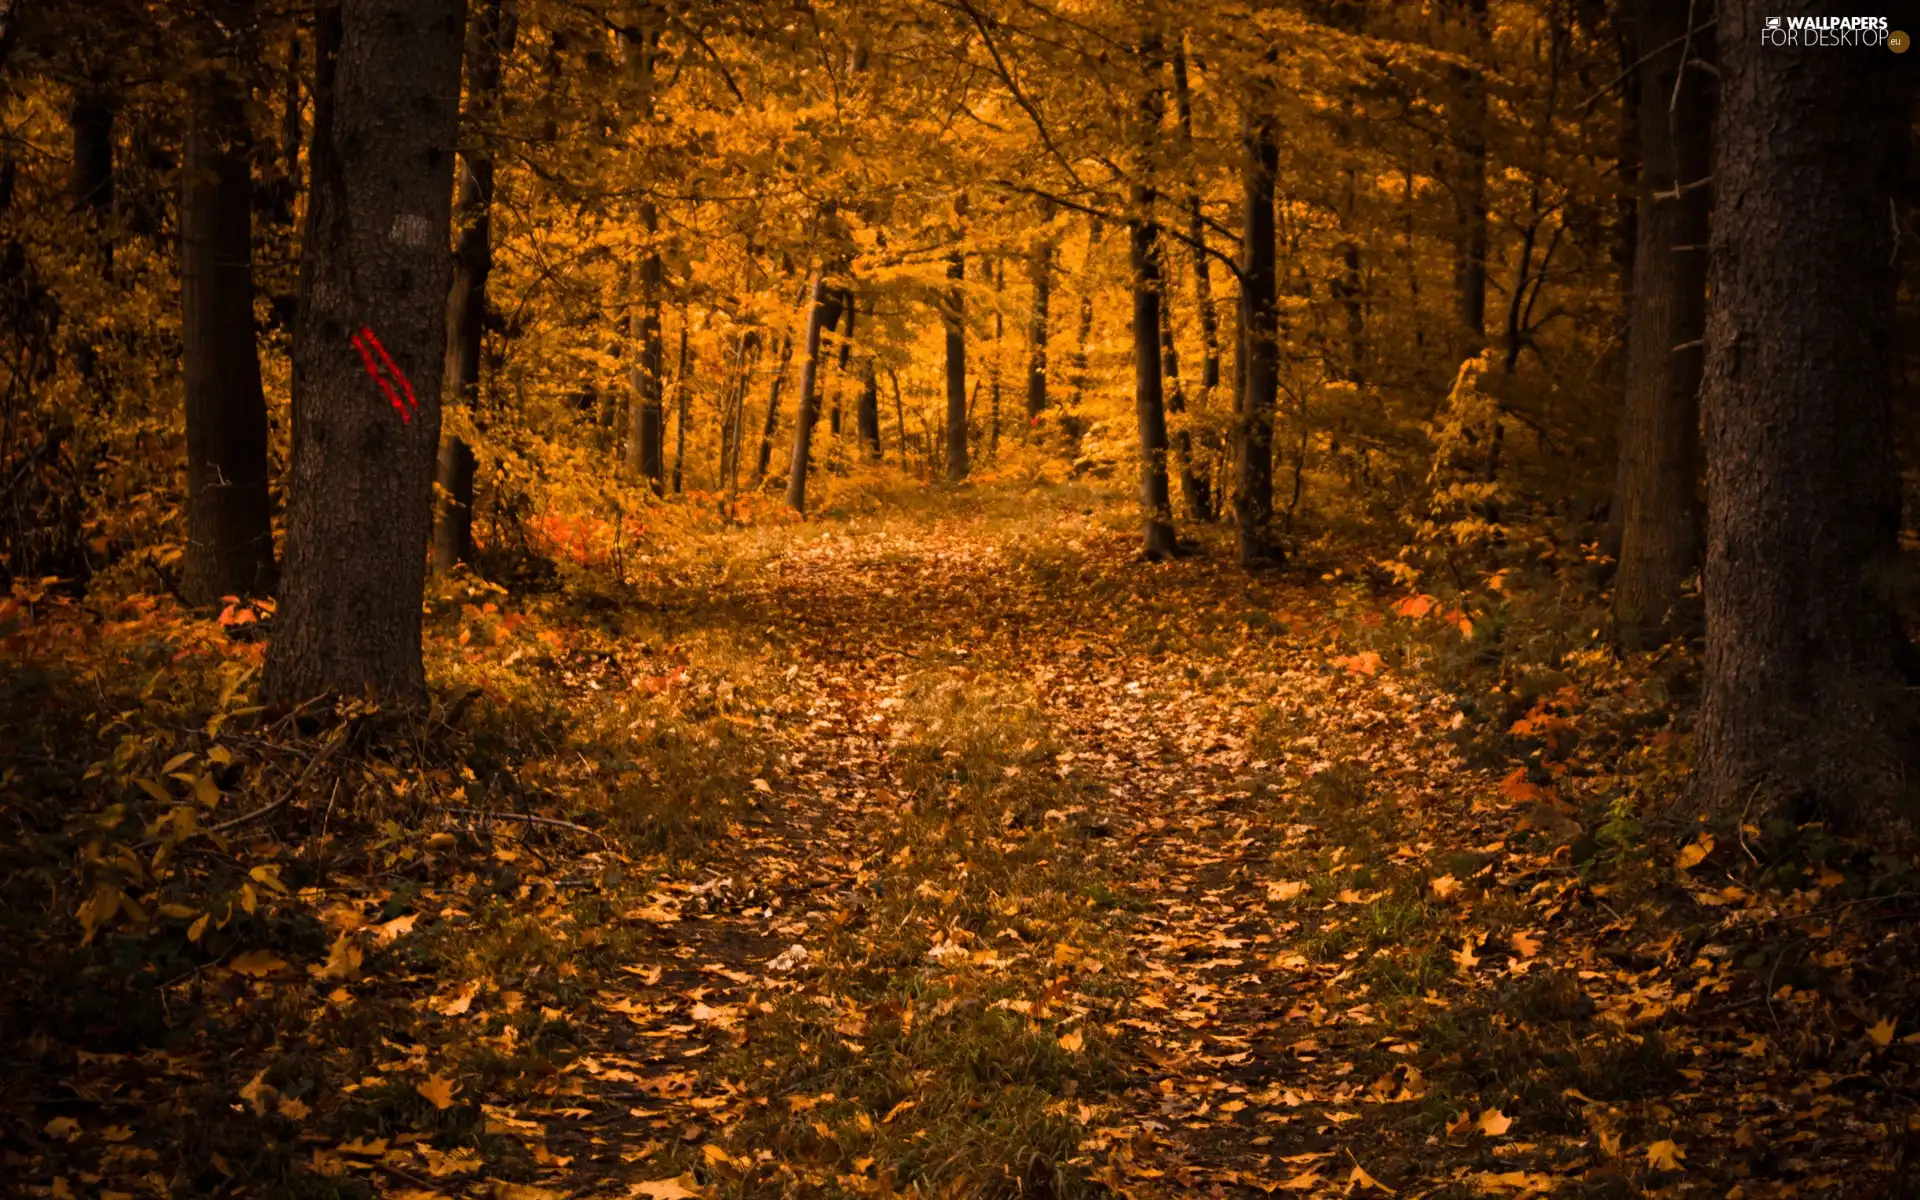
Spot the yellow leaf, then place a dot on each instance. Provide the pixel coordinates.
(1524, 946)
(293, 1110)
(438, 1090)
(1071, 1042)
(365, 1147)
(897, 1109)
(343, 960)
(1285, 890)
(462, 1000)
(1695, 853)
(1665, 1156)
(205, 790)
(1360, 1178)
(258, 1093)
(100, 906)
(258, 963)
(1882, 1032)
(682, 1188)
(1493, 1122)
(1444, 886)
(64, 1128)
(1465, 958)
(394, 929)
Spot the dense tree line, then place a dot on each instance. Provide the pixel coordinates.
(299, 300)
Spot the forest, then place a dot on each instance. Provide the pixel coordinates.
(958, 598)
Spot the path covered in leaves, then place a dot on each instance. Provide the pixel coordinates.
(1039, 871)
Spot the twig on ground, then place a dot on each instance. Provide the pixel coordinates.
(529, 818)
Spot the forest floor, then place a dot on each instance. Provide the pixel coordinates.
(949, 852)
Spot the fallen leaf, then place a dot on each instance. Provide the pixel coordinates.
(1882, 1032)
(438, 1090)
(1493, 1123)
(1665, 1156)
(1360, 1178)
(258, 963)
(462, 1000)
(1694, 853)
(681, 1188)
(1071, 1042)
(1285, 890)
(1524, 946)
(1444, 886)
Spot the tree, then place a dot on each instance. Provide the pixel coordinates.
(1658, 514)
(1259, 338)
(953, 313)
(1040, 276)
(1803, 504)
(1156, 504)
(490, 35)
(823, 312)
(368, 347)
(646, 428)
(229, 531)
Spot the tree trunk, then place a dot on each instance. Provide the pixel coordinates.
(1804, 649)
(1197, 236)
(370, 340)
(954, 314)
(90, 175)
(646, 428)
(1040, 275)
(869, 412)
(773, 408)
(1156, 505)
(1655, 501)
(1193, 484)
(681, 406)
(822, 313)
(1470, 197)
(229, 531)
(489, 36)
(1259, 343)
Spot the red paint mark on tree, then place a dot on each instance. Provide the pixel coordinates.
(368, 345)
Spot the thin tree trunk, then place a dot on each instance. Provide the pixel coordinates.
(822, 313)
(1803, 712)
(229, 533)
(1259, 342)
(767, 427)
(1193, 485)
(847, 310)
(1197, 237)
(1655, 501)
(646, 430)
(1040, 275)
(681, 405)
(954, 314)
(489, 37)
(374, 268)
(1470, 139)
(1156, 504)
(899, 415)
(869, 411)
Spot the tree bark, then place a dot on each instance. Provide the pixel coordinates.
(1804, 648)
(682, 405)
(1156, 504)
(1193, 485)
(1655, 492)
(767, 427)
(489, 36)
(954, 314)
(1040, 275)
(374, 267)
(229, 532)
(822, 313)
(1259, 386)
(1470, 139)
(646, 430)
(868, 416)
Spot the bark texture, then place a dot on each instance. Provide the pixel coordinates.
(954, 313)
(1802, 683)
(374, 264)
(1259, 344)
(229, 531)
(1655, 488)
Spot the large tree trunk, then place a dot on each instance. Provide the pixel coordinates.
(229, 531)
(1259, 385)
(1197, 237)
(1654, 493)
(1156, 505)
(375, 273)
(954, 314)
(489, 37)
(90, 120)
(1803, 678)
(822, 313)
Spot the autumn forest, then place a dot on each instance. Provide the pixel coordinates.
(958, 598)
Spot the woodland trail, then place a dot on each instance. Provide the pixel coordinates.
(1178, 749)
